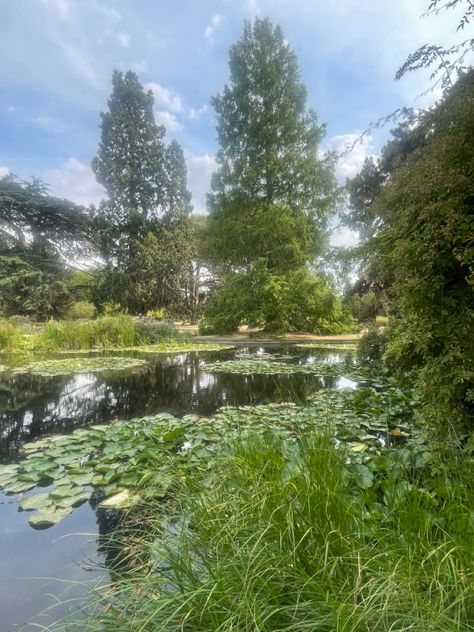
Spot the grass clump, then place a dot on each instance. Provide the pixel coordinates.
(11, 336)
(291, 537)
(108, 332)
(102, 333)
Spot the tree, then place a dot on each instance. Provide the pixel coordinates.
(42, 239)
(269, 173)
(129, 164)
(271, 194)
(423, 246)
(147, 207)
(177, 199)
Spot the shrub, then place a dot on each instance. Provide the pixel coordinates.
(150, 332)
(19, 320)
(296, 301)
(371, 348)
(156, 313)
(80, 309)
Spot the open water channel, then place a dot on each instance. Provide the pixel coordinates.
(43, 573)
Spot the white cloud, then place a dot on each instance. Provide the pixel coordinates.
(166, 98)
(169, 120)
(49, 124)
(200, 170)
(353, 150)
(194, 114)
(344, 237)
(75, 181)
(4, 171)
(60, 8)
(211, 28)
(124, 39)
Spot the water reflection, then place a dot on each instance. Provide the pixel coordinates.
(33, 405)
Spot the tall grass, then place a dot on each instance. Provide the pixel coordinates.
(103, 333)
(11, 336)
(283, 542)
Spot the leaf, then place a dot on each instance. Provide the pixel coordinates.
(46, 519)
(358, 447)
(362, 476)
(36, 501)
(122, 500)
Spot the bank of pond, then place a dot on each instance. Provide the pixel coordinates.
(260, 488)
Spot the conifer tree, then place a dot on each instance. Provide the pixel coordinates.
(269, 175)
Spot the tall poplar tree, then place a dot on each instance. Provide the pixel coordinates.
(271, 191)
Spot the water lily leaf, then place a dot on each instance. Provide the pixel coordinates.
(81, 479)
(9, 469)
(358, 447)
(37, 501)
(169, 436)
(74, 501)
(46, 519)
(16, 487)
(363, 477)
(398, 433)
(122, 500)
(65, 491)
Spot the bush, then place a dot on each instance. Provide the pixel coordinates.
(371, 348)
(158, 314)
(19, 320)
(80, 309)
(296, 301)
(150, 332)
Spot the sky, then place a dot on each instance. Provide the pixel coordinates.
(57, 58)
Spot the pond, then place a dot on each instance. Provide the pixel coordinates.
(42, 573)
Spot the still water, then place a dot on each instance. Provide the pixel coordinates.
(43, 573)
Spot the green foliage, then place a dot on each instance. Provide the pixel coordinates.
(299, 535)
(102, 333)
(423, 250)
(107, 332)
(10, 335)
(296, 301)
(31, 290)
(143, 224)
(270, 183)
(362, 306)
(80, 309)
(69, 366)
(150, 331)
(372, 347)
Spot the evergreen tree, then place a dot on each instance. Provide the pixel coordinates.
(269, 175)
(177, 198)
(130, 165)
(144, 220)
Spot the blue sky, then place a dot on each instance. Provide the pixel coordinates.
(57, 58)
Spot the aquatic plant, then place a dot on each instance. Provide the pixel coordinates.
(130, 462)
(265, 367)
(66, 366)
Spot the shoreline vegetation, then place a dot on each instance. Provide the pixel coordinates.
(125, 333)
(334, 515)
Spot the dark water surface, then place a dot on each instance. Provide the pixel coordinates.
(44, 571)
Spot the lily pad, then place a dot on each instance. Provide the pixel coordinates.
(46, 519)
(122, 500)
(67, 366)
(36, 501)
